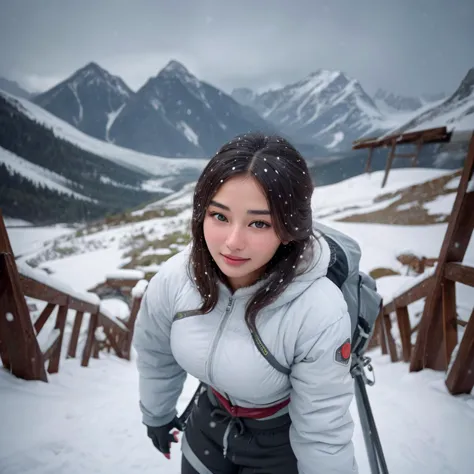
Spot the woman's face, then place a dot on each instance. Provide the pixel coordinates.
(238, 231)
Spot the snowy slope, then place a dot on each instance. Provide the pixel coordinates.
(88, 420)
(38, 175)
(154, 165)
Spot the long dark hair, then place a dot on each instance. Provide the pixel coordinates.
(285, 180)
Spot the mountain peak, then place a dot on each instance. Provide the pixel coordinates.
(175, 67)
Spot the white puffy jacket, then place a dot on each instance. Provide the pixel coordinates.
(302, 328)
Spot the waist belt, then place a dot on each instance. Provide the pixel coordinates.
(243, 412)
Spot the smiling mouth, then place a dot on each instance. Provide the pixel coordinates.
(235, 259)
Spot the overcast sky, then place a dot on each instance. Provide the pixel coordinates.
(405, 46)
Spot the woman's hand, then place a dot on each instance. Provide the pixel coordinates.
(162, 438)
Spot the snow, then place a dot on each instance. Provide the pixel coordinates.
(125, 275)
(38, 175)
(57, 284)
(27, 241)
(148, 164)
(139, 289)
(470, 185)
(442, 204)
(337, 138)
(111, 116)
(88, 419)
(189, 133)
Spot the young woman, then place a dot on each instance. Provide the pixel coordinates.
(250, 286)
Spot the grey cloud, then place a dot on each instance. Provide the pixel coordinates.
(405, 46)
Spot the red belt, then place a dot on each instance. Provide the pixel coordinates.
(242, 412)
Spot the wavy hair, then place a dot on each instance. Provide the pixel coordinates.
(283, 176)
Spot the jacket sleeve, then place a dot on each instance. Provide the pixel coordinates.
(161, 379)
(322, 391)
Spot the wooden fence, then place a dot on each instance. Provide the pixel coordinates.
(437, 330)
(24, 350)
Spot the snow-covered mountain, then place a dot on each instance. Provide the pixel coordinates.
(89, 99)
(50, 171)
(456, 112)
(175, 114)
(326, 107)
(12, 87)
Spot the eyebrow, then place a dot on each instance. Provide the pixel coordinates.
(265, 212)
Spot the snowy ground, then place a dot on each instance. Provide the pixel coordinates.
(87, 419)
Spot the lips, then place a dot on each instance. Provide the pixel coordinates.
(235, 259)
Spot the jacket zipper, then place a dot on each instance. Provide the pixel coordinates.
(220, 330)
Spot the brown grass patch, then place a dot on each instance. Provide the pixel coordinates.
(382, 272)
(415, 196)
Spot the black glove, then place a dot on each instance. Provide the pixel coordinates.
(162, 438)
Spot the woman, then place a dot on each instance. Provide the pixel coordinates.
(251, 283)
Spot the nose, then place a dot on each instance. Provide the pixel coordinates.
(235, 239)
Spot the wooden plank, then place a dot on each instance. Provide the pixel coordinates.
(53, 366)
(383, 337)
(433, 135)
(16, 332)
(87, 351)
(82, 306)
(40, 291)
(419, 145)
(417, 292)
(450, 330)
(51, 349)
(461, 376)
(368, 164)
(390, 341)
(43, 317)
(75, 334)
(405, 331)
(127, 340)
(460, 273)
(428, 352)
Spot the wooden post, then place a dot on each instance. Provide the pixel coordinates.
(53, 366)
(86, 353)
(75, 334)
(405, 332)
(390, 341)
(461, 376)
(127, 344)
(428, 351)
(369, 160)
(419, 144)
(389, 162)
(450, 329)
(16, 329)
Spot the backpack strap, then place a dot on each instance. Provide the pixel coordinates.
(266, 353)
(337, 273)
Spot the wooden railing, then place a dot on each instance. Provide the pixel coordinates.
(24, 348)
(437, 331)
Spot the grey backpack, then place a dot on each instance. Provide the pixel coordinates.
(359, 290)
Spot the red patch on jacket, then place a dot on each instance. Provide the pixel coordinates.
(343, 353)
